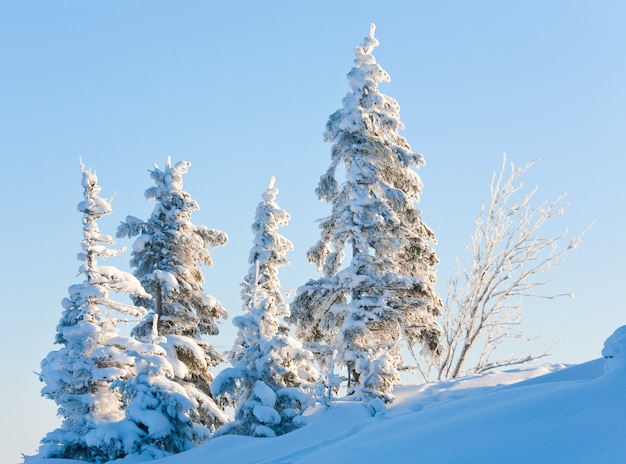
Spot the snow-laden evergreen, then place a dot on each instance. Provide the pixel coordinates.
(361, 312)
(167, 257)
(614, 350)
(158, 414)
(272, 376)
(269, 250)
(79, 376)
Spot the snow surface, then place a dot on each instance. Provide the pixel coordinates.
(548, 414)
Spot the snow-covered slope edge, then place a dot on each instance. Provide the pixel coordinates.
(556, 419)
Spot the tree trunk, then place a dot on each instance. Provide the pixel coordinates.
(158, 306)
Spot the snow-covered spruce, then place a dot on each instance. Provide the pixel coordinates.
(167, 257)
(614, 350)
(271, 377)
(157, 420)
(79, 375)
(269, 250)
(364, 310)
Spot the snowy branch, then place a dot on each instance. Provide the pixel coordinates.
(484, 303)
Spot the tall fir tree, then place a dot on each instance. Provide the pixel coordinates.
(80, 375)
(363, 310)
(167, 257)
(272, 373)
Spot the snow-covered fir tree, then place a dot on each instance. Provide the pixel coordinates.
(385, 294)
(269, 251)
(158, 416)
(79, 376)
(167, 257)
(272, 376)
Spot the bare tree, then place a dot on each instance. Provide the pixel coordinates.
(484, 307)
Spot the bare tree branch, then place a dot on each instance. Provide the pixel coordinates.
(483, 308)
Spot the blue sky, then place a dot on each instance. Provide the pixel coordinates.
(243, 90)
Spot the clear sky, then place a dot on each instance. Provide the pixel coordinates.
(243, 90)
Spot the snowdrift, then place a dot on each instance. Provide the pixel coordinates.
(549, 414)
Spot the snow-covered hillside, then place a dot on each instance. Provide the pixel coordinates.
(549, 414)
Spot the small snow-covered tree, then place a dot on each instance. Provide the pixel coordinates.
(167, 257)
(271, 371)
(269, 251)
(364, 310)
(158, 416)
(508, 253)
(79, 376)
